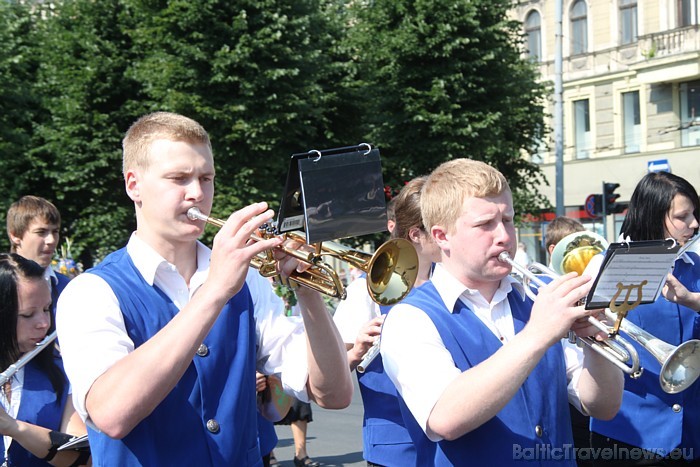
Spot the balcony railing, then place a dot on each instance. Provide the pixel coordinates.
(647, 47)
(676, 41)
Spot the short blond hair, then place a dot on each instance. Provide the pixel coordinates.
(154, 126)
(451, 183)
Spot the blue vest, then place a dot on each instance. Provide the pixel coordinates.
(510, 437)
(40, 406)
(209, 418)
(647, 417)
(267, 435)
(385, 439)
(57, 286)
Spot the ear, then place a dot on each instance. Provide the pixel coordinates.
(131, 182)
(414, 234)
(439, 234)
(15, 240)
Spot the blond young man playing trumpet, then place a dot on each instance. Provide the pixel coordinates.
(162, 339)
(480, 367)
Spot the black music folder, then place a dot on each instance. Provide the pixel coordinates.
(632, 272)
(334, 193)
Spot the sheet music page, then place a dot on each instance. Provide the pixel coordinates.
(631, 267)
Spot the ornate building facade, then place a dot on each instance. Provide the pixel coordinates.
(631, 95)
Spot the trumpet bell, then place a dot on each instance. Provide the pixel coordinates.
(392, 271)
(681, 368)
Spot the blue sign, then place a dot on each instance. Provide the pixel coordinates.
(659, 165)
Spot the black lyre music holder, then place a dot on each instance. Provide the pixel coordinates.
(334, 193)
(632, 273)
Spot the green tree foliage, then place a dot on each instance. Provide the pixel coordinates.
(254, 73)
(85, 53)
(261, 76)
(447, 80)
(19, 108)
(425, 81)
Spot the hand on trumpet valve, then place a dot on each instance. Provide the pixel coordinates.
(286, 264)
(233, 248)
(557, 307)
(582, 327)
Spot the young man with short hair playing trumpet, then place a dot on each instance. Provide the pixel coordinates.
(162, 339)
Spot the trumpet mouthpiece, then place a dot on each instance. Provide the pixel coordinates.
(504, 256)
(194, 214)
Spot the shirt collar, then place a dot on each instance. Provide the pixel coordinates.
(148, 261)
(686, 258)
(50, 275)
(450, 289)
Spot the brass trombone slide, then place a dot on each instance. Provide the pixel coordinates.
(391, 271)
(680, 365)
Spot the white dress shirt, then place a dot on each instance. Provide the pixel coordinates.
(416, 360)
(355, 311)
(93, 336)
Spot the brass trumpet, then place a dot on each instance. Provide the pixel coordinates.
(680, 365)
(391, 271)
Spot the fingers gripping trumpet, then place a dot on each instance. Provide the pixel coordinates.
(680, 365)
(391, 271)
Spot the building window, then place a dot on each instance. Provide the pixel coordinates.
(632, 128)
(538, 152)
(628, 21)
(533, 34)
(685, 12)
(582, 129)
(690, 113)
(579, 28)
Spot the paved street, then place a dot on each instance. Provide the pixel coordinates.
(334, 437)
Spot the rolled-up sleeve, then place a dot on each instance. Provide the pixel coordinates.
(281, 339)
(91, 334)
(416, 360)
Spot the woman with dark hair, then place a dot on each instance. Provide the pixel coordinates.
(35, 411)
(665, 426)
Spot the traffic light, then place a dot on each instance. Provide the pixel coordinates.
(598, 204)
(610, 198)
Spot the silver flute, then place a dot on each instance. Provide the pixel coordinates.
(371, 354)
(6, 375)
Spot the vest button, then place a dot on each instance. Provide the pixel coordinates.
(213, 426)
(676, 408)
(203, 350)
(539, 431)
